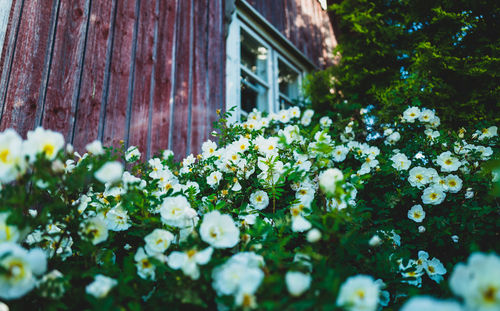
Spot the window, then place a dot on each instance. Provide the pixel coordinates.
(263, 69)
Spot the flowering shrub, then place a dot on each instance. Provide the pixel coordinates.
(282, 212)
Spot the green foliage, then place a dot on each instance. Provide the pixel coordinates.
(444, 54)
(51, 203)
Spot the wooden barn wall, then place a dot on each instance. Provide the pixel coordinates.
(148, 72)
(304, 23)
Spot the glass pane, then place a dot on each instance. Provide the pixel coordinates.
(253, 55)
(253, 94)
(284, 103)
(288, 80)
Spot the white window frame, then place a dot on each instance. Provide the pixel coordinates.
(279, 48)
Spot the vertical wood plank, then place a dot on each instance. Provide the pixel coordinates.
(28, 68)
(7, 55)
(183, 79)
(216, 63)
(5, 9)
(164, 69)
(116, 108)
(93, 86)
(61, 99)
(200, 47)
(143, 76)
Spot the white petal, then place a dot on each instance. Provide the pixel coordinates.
(204, 256)
(176, 260)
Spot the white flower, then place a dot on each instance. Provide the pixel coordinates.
(393, 138)
(95, 147)
(435, 269)
(189, 261)
(101, 286)
(46, 142)
(208, 149)
(421, 303)
(469, 194)
(485, 152)
(340, 153)
(375, 240)
(400, 162)
(418, 176)
(177, 212)
(11, 156)
(158, 241)
(488, 132)
(433, 195)
(240, 275)
(95, 229)
(294, 112)
(259, 199)
(132, 154)
(416, 213)
(478, 282)
(299, 223)
(145, 268)
(214, 179)
(307, 117)
(411, 114)
(117, 219)
(427, 115)
(219, 230)
(297, 282)
(313, 236)
(448, 162)
(325, 122)
(111, 172)
(167, 154)
(453, 183)
(431, 134)
(18, 269)
(8, 233)
(359, 292)
(435, 122)
(328, 180)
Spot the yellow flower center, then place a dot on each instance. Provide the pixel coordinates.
(48, 149)
(4, 155)
(433, 196)
(191, 253)
(489, 294)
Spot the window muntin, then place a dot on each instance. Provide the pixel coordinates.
(260, 73)
(289, 80)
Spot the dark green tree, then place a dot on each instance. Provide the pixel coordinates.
(441, 54)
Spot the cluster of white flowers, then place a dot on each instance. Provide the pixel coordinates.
(415, 269)
(477, 283)
(240, 276)
(193, 222)
(14, 151)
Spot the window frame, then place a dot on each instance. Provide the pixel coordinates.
(279, 49)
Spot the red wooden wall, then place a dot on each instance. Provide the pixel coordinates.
(132, 70)
(148, 72)
(304, 23)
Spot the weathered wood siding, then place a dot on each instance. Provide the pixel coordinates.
(149, 73)
(140, 71)
(304, 23)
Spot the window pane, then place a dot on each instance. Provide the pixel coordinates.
(288, 80)
(284, 103)
(253, 55)
(253, 94)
